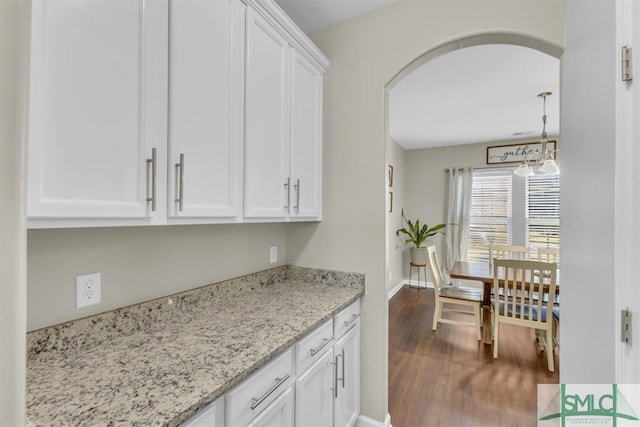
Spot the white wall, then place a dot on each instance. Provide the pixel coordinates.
(587, 113)
(366, 53)
(140, 263)
(395, 245)
(14, 56)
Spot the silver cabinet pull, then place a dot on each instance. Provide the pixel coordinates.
(151, 182)
(255, 402)
(296, 186)
(335, 377)
(343, 370)
(353, 319)
(286, 186)
(322, 345)
(180, 179)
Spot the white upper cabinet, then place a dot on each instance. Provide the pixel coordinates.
(206, 63)
(172, 112)
(98, 107)
(306, 138)
(266, 181)
(283, 138)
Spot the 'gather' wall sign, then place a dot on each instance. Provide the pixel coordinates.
(515, 153)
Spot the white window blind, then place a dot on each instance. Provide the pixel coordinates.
(543, 211)
(491, 212)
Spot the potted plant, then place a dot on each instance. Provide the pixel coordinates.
(417, 234)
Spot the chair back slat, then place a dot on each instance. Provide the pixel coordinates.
(497, 250)
(520, 287)
(549, 254)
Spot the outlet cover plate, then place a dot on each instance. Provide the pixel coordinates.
(88, 289)
(273, 254)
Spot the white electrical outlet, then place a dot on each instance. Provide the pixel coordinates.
(87, 289)
(273, 254)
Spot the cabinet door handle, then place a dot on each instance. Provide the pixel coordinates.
(286, 186)
(151, 182)
(322, 345)
(255, 402)
(353, 319)
(296, 208)
(180, 179)
(343, 369)
(335, 377)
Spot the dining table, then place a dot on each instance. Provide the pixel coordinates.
(481, 272)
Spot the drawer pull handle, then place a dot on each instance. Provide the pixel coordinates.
(322, 345)
(279, 381)
(353, 319)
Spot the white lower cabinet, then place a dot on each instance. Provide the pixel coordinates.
(314, 394)
(347, 363)
(277, 414)
(210, 416)
(315, 383)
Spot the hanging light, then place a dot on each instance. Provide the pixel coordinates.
(543, 158)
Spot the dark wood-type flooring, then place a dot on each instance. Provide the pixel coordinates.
(447, 378)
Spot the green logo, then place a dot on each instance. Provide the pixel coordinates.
(588, 405)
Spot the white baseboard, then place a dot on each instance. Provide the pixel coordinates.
(370, 422)
(412, 283)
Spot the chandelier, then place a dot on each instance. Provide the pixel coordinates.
(544, 159)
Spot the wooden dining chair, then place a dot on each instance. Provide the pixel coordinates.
(513, 281)
(452, 295)
(549, 254)
(499, 250)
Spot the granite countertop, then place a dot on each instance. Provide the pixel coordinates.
(157, 363)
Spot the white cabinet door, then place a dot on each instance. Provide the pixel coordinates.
(306, 138)
(98, 106)
(211, 416)
(315, 393)
(206, 45)
(277, 414)
(267, 120)
(347, 364)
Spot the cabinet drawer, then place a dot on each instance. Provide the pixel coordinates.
(250, 397)
(313, 346)
(346, 319)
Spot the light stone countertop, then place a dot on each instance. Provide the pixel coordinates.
(157, 363)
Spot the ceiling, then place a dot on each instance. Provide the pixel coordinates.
(484, 93)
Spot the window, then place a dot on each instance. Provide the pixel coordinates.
(510, 210)
(543, 211)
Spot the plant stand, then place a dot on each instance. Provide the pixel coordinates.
(418, 266)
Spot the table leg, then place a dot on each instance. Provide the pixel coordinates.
(487, 328)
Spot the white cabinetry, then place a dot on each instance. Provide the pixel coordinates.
(314, 393)
(98, 107)
(211, 416)
(326, 374)
(306, 138)
(267, 132)
(206, 63)
(138, 114)
(283, 138)
(347, 364)
(278, 414)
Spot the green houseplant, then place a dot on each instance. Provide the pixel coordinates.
(417, 234)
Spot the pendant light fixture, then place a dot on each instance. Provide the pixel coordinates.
(543, 158)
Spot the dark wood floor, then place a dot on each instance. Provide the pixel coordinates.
(449, 379)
